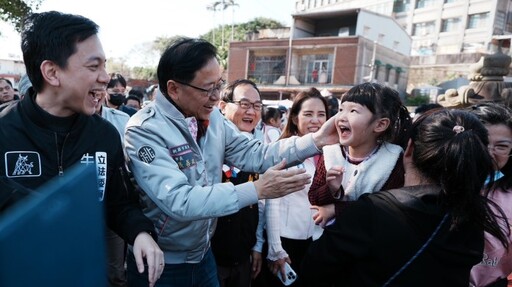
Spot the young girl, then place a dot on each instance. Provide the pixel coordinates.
(372, 125)
(271, 118)
(496, 263)
(289, 223)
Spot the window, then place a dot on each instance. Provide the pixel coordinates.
(377, 66)
(450, 25)
(478, 20)
(425, 3)
(389, 67)
(315, 68)
(266, 69)
(401, 6)
(423, 29)
(508, 26)
(398, 71)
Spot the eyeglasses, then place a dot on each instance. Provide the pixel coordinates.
(502, 149)
(210, 92)
(115, 91)
(244, 104)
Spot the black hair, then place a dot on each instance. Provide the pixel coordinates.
(52, 36)
(450, 148)
(182, 60)
(425, 107)
(116, 78)
(269, 113)
(291, 128)
(137, 92)
(132, 97)
(383, 102)
(7, 81)
(496, 114)
(227, 93)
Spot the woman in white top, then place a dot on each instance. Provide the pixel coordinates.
(289, 219)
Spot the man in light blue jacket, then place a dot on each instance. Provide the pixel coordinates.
(176, 147)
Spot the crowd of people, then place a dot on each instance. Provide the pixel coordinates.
(204, 185)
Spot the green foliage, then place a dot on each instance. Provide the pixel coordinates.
(214, 36)
(417, 100)
(434, 82)
(117, 65)
(240, 32)
(161, 43)
(144, 73)
(15, 11)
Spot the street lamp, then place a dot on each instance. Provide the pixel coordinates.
(223, 5)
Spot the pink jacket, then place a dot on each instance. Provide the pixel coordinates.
(496, 262)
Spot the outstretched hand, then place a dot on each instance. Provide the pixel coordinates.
(276, 182)
(145, 247)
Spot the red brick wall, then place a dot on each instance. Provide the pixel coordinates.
(345, 65)
(237, 65)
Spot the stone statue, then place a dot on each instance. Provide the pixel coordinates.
(486, 83)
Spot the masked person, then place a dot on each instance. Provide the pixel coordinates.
(116, 90)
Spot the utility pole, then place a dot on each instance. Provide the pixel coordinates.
(372, 64)
(213, 7)
(233, 4)
(223, 9)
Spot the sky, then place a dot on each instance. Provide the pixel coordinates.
(126, 24)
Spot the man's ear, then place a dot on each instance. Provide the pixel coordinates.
(382, 125)
(172, 90)
(50, 72)
(222, 106)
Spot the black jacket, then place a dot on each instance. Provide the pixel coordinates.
(37, 146)
(376, 235)
(235, 234)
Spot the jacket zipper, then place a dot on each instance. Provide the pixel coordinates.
(60, 154)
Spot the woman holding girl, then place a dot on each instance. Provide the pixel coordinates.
(427, 233)
(372, 124)
(289, 222)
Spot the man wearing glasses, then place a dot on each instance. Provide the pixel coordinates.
(176, 147)
(236, 245)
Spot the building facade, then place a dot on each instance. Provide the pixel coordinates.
(331, 50)
(447, 35)
(12, 69)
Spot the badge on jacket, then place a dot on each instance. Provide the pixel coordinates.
(22, 164)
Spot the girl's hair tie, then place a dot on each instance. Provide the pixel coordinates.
(458, 129)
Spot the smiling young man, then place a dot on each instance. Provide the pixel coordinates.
(176, 147)
(55, 126)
